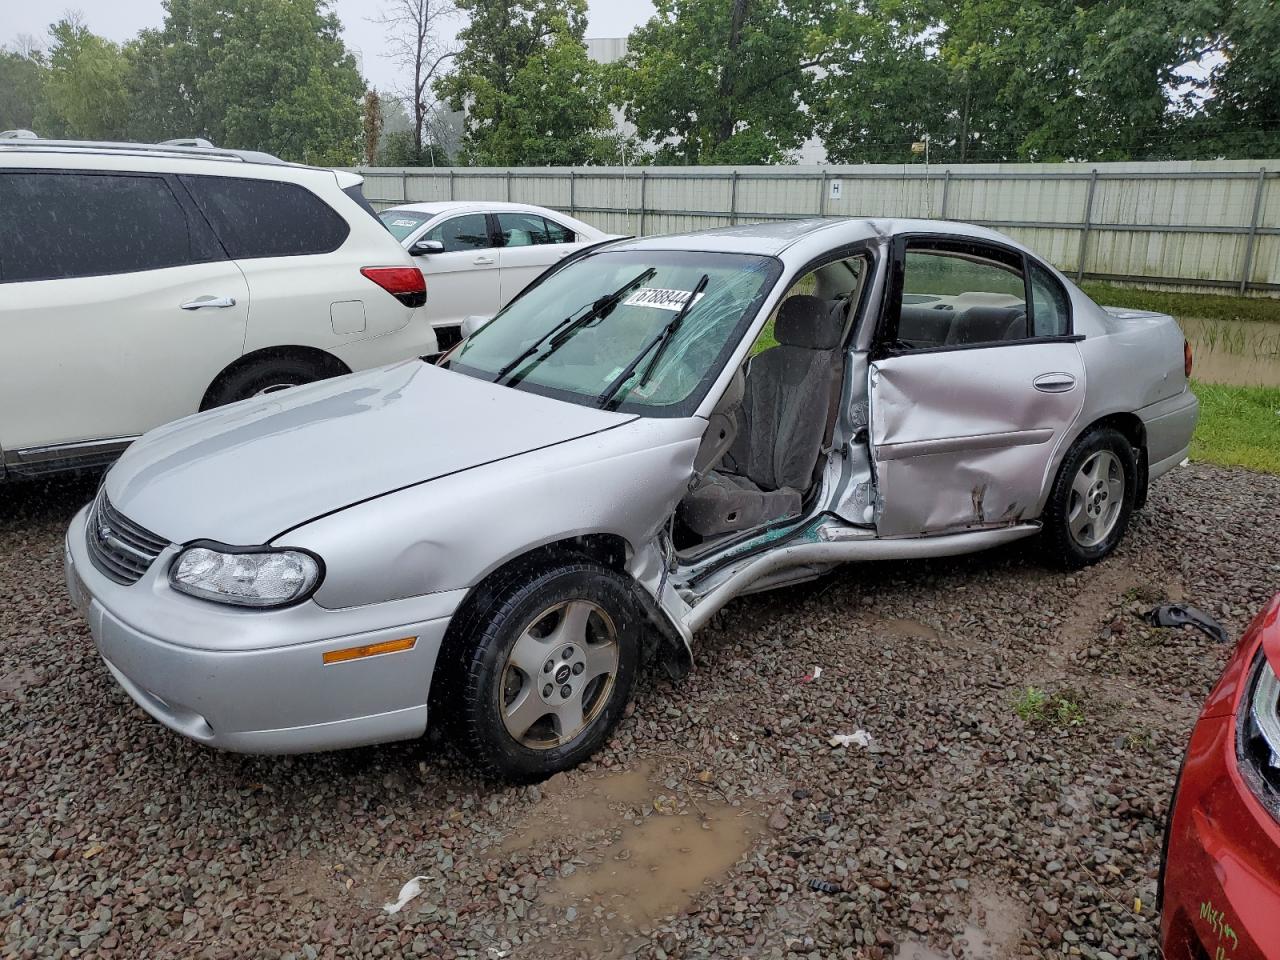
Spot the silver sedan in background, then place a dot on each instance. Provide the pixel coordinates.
(500, 542)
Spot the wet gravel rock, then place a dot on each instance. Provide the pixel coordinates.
(963, 829)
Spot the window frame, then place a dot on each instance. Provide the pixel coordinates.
(891, 305)
(195, 222)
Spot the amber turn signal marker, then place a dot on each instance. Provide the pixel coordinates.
(370, 650)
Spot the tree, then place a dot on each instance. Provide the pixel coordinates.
(991, 80)
(86, 89)
(22, 76)
(531, 93)
(1241, 115)
(414, 43)
(268, 75)
(371, 125)
(712, 81)
(884, 86)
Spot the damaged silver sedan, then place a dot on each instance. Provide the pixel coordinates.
(498, 543)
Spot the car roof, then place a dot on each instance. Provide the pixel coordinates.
(448, 206)
(772, 238)
(184, 150)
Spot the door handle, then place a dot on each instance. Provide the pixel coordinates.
(205, 302)
(1054, 382)
(482, 261)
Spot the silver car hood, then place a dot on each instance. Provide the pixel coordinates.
(245, 473)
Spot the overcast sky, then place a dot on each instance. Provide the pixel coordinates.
(121, 19)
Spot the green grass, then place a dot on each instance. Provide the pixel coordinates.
(1239, 426)
(1208, 306)
(1037, 707)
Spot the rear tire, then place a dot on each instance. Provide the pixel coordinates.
(263, 376)
(1091, 501)
(543, 667)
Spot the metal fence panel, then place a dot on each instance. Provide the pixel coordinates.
(1189, 224)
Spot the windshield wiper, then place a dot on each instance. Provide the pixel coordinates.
(660, 340)
(563, 330)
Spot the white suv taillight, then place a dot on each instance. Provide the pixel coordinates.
(406, 284)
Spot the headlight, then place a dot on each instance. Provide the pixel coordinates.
(1258, 739)
(250, 577)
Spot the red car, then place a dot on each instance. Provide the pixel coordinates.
(1220, 873)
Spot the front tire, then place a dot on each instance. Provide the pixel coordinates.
(546, 665)
(1092, 499)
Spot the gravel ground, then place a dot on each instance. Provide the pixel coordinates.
(962, 830)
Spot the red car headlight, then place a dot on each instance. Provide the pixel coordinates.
(1258, 740)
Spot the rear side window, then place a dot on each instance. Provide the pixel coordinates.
(1050, 308)
(959, 294)
(529, 229)
(559, 234)
(62, 225)
(266, 218)
(356, 194)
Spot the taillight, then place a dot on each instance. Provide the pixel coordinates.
(406, 284)
(1186, 358)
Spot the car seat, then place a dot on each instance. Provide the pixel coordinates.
(782, 421)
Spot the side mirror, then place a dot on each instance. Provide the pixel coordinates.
(473, 323)
(424, 247)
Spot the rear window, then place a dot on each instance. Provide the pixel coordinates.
(401, 223)
(266, 218)
(356, 194)
(62, 225)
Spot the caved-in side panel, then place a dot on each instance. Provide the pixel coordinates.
(965, 438)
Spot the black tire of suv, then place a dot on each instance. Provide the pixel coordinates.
(1060, 547)
(265, 375)
(474, 667)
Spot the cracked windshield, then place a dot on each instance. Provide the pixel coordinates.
(644, 331)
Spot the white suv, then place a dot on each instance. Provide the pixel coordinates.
(139, 284)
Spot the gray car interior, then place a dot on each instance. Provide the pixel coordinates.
(768, 447)
(949, 321)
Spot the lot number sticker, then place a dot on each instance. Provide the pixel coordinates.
(659, 298)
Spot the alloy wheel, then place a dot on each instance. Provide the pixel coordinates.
(559, 674)
(1097, 499)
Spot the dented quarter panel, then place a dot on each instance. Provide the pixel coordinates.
(1134, 365)
(962, 438)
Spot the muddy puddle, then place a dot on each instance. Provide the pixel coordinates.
(977, 947)
(641, 850)
(911, 629)
(1235, 352)
(992, 933)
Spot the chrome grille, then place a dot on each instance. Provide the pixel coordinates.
(118, 547)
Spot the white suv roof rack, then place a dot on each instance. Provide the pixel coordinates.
(138, 149)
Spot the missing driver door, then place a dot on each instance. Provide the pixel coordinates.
(968, 404)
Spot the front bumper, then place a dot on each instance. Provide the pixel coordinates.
(1221, 890)
(254, 681)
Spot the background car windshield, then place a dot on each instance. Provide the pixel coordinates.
(587, 362)
(401, 223)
